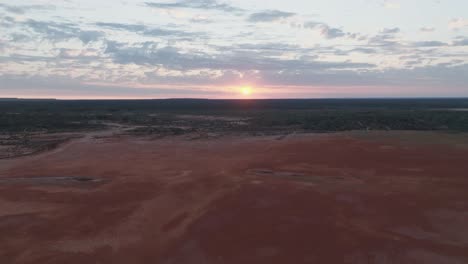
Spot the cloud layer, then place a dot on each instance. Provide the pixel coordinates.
(207, 48)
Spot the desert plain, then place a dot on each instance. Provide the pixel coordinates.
(348, 197)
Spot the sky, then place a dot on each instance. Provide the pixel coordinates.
(70, 49)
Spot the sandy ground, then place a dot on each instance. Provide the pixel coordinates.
(335, 198)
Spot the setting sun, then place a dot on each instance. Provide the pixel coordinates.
(246, 90)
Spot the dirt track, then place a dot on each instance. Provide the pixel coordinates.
(339, 198)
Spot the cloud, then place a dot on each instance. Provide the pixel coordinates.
(19, 37)
(23, 8)
(148, 31)
(327, 31)
(3, 44)
(197, 4)
(331, 33)
(443, 78)
(282, 47)
(120, 51)
(201, 19)
(269, 16)
(386, 39)
(7, 21)
(390, 30)
(177, 59)
(458, 23)
(56, 31)
(65, 87)
(121, 26)
(311, 24)
(90, 36)
(20, 58)
(430, 44)
(427, 29)
(62, 57)
(86, 55)
(365, 50)
(152, 64)
(460, 41)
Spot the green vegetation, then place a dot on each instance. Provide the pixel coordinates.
(320, 115)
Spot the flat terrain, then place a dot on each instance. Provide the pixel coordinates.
(117, 196)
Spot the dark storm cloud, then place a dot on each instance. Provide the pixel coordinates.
(197, 4)
(269, 16)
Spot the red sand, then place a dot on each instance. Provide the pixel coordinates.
(305, 199)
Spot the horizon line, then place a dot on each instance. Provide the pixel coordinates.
(226, 99)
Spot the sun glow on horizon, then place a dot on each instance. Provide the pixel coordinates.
(246, 90)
